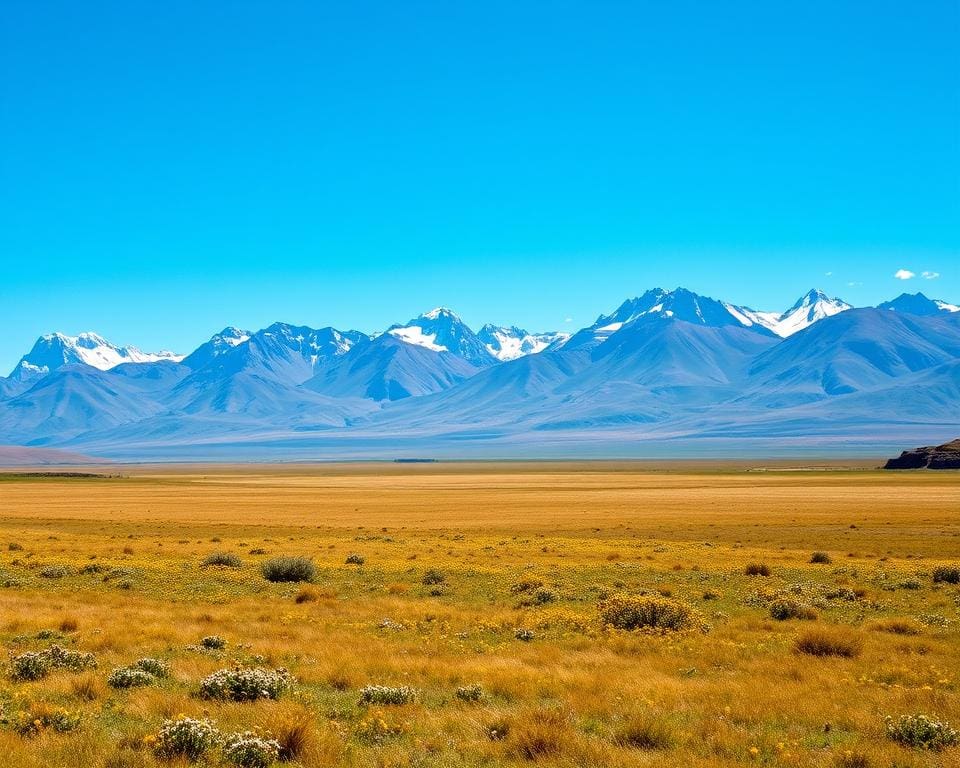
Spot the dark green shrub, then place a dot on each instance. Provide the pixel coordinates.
(284, 569)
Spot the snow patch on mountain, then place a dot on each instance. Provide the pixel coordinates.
(442, 330)
(509, 343)
(414, 335)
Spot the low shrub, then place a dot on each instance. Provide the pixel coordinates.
(922, 732)
(185, 737)
(644, 613)
(946, 574)
(472, 692)
(130, 677)
(385, 694)
(213, 643)
(433, 576)
(155, 667)
(527, 585)
(757, 569)
(14, 547)
(287, 569)
(224, 559)
(822, 642)
(785, 608)
(307, 595)
(248, 750)
(34, 665)
(54, 572)
(246, 684)
(354, 559)
(524, 635)
(41, 718)
(821, 558)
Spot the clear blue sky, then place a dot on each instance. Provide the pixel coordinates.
(170, 168)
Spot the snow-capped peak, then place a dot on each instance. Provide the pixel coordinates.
(509, 343)
(55, 350)
(809, 308)
(918, 304)
(442, 330)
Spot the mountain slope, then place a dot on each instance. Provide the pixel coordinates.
(388, 368)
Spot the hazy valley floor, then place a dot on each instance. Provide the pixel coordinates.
(453, 560)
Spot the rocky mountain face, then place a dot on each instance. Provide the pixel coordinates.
(946, 456)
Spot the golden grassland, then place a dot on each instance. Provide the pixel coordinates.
(577, 694)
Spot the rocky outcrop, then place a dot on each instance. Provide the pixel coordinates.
(946, 456)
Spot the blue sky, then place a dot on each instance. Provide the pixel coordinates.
(171, 168)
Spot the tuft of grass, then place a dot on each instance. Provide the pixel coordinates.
(289, 569)
(69, 624)
(539, 734)
(296, 734)
(829, 642)
(354, 559)
(757, 569)
(820, 558)
(222, 559)
(307, 595)
(897, 627)
(646, 732)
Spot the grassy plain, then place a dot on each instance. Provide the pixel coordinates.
(576, 694)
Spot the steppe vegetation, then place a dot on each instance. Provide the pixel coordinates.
(480, 615)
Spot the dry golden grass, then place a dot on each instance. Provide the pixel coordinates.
(533, 547)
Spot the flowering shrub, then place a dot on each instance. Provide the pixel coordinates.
(248, 750)
(384, 694)
(922, 732)
(185, 737)
(642, 613)
(246, 684)
(432, 576)
(213, 643)
(470, 692)
(375, 729)
(41, 719)
(130, 677)
(155, 667)
(355, 559)
(35, 665)
(524, 635)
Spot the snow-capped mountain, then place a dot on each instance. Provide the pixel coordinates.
(442, 330)
(56, 350)
(679, 304)
(918, 304)
(509, 343)
(219, 344)
(666, 365)
(811, 307)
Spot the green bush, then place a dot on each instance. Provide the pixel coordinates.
(130, 677)
(433, 576)
(946, 574)
(472, 692)
(285, 569)
(224, 559)
(385, 694)
(820, 558)
(213, 643)
(785, 608)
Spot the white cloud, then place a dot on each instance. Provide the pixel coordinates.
(929, 275)
(568, 319)
(853, 284)
(903, 274)
(828, 274)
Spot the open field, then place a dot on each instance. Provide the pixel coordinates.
(455, 560)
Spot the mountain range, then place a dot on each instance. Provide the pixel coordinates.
(665, 373)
